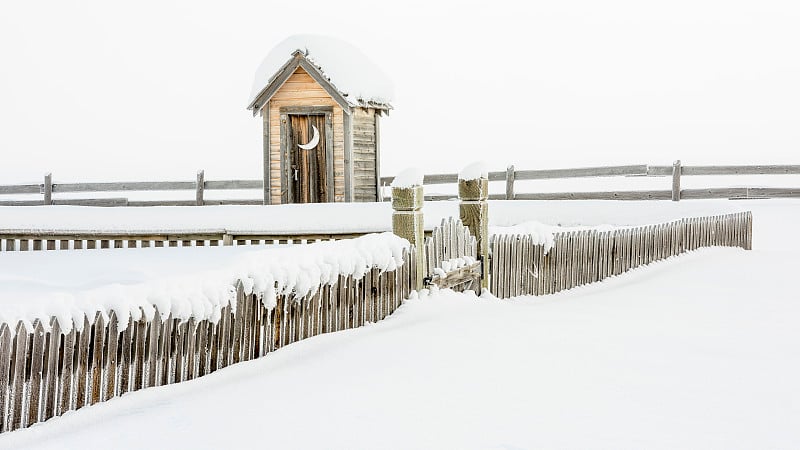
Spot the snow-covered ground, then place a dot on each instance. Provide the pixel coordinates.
(699, 351)
(346, 217)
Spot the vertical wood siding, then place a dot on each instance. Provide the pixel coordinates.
(364, 155)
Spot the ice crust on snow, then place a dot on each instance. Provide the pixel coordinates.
(187, 282)
(474, 171)
(408, 178)
(347, 68)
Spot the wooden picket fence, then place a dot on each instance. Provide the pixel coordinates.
(44, 372)
(35, 240)
(520, 266)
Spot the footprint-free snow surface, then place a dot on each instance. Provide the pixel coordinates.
(700, 351)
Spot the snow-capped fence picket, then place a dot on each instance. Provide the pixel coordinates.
(522, 265)
(48, 367)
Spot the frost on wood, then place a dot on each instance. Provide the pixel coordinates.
(352, 73)
(408, 178)
(474, 171)
(201, 293)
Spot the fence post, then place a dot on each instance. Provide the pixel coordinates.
(676, 181)
(48, 189)
(408, 224)
(510, 182)
(474, 212)
(200, 186)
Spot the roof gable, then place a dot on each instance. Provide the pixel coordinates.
(352, 80)
(298, 60)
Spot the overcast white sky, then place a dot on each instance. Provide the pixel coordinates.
(157, 90)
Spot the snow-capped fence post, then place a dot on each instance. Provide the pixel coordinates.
(473, 192)
(407, 222)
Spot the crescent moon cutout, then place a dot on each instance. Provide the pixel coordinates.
(313, 142)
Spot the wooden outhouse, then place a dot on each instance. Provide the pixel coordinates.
(321, 139)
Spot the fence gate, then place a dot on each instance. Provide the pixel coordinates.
(451, 257)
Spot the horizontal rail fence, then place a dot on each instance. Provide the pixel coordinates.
(29, 240)
(676, 171)
(199, 186)
(451, 254)
(520, 266)
(45, 373)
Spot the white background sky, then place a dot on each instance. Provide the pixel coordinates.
(157, 90)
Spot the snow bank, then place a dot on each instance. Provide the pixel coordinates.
(474, 171)
(352, 72)
(408, 178)
(351, 217)
(187, 282)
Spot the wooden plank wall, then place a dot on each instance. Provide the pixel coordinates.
(364, 155)
(44, 372)
(302, 90)
(520, 267)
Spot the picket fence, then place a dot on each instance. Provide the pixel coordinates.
(521, 266)
(36, 240)
(45, 373)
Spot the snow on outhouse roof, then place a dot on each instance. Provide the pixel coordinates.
(344, 71)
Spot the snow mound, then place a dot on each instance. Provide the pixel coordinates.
(408, 178)
(474, 171)
(353, 74)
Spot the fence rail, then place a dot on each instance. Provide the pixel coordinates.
(676, 171)
(199, 186)
(45, 373)
(47, 188)
(519, 266)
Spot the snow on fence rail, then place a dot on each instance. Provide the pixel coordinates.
(48, 367)
(675, 193)
(522, 266)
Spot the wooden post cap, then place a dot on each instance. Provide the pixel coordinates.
(407, 198)
(473, 190)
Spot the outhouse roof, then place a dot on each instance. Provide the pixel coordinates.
(342, 70)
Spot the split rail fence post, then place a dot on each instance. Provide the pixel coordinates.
(676, 181)
(201, 175)
(510, 175)
(47, 189)
(474, 212)
(408, 224)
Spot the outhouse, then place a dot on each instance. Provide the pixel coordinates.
(320, 100)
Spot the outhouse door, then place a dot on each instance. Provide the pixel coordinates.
(309, 165)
